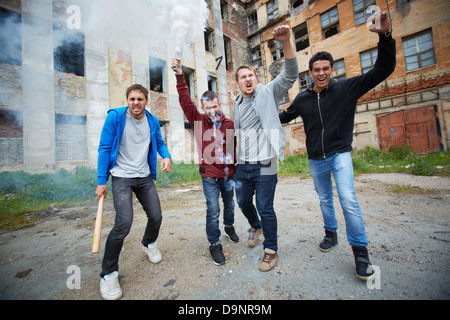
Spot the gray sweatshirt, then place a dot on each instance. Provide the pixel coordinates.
(265, 102)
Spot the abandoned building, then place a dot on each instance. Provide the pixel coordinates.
(57, 80)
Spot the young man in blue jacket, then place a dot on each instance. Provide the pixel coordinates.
(129, 143)
(327, 108)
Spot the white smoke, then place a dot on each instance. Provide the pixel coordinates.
(124, 23)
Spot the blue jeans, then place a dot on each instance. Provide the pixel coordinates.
(342, 168)
(249, 182)
(212, 188)
(122, 190)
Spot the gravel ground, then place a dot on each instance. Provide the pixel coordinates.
(409, 235)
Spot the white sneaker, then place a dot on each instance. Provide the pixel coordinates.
(109, 286)
(153, 253)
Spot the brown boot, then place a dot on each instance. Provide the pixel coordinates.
(269, 260)
(253, 236)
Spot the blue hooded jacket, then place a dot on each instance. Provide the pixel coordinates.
(110, 139)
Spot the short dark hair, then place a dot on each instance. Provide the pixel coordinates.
(209, 95)
(138, 87)
(321, 55)
(245, 66)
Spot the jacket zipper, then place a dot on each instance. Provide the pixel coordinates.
(323, 126)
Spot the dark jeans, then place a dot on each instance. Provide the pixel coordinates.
(250, 180)
(122, 189)
(213, 188)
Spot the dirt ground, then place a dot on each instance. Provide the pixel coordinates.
(409, 235)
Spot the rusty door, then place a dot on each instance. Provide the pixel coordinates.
(414, 127)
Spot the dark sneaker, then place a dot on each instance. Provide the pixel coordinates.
(216, 254)
(329, 241)
(364, 269)
(231, 234)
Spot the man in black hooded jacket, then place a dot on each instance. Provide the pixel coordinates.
(327, 108)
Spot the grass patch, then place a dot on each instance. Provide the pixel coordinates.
(23, 194)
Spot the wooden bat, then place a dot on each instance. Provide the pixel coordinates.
(98, 226)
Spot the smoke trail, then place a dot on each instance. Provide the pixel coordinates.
(123, 23)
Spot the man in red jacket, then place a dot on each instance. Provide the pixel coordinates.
(214, 134)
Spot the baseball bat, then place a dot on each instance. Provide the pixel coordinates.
(98, 226)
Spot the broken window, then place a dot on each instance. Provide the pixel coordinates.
(224, 10)
(272, 10)
(296, 3)
(68, 50)
(209, 45)
(157, 74)
(256, 57)
(189, 79)
(227, 46)
(252, 22)
(10, 37)
(301, 37)
(330, 23)
(212, 83)
(304, 80)
(277, 53)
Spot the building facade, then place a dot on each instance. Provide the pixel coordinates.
(411, 107)
(57, 80)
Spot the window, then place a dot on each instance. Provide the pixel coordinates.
(209, 45)
(330, 23)
(368, 59)
(285, 98)
(296, 3)
(68, 50)
(256, 57)
(360, 10)
(224, 10)
(252, 22)
(70, 137)
(339, 69)
(189, 79)
(277, 53)
(10, 37)
(301, 37)
(157, 74)
(227, 47)
(418, 50)
(304, 80)
(272, 10)
(212, 83)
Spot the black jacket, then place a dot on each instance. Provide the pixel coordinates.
(328, 118)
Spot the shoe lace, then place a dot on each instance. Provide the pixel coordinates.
(268, 257)
(251, 234)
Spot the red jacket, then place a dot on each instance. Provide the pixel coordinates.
(216, 157)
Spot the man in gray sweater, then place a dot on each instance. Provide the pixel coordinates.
(260, 140)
